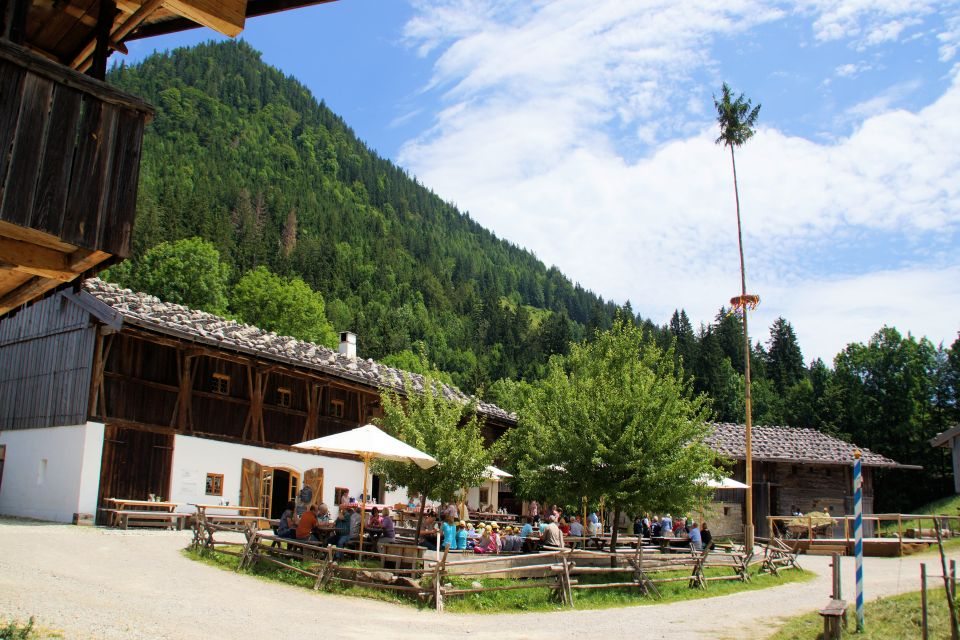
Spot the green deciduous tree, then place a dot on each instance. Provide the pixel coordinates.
(613, 419)
(448, 430)
(188, 272)
(286, 306)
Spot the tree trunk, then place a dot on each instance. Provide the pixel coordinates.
(614, 535)
(423, 504)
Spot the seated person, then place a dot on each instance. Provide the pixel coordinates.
(288, 522)
(526, 529)
(576, 528)
(511, 541)
(551, 536)
(323, 512)
(487, 543)
(307, 524)
(427, 536)
(341, 528)
(461, 536)
(696, 540)
(374, 520)
(448, 531)
(564, 527)
(389, 530)
(706, 537)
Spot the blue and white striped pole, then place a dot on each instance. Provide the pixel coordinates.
(858, 534)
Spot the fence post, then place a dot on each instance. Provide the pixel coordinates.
(923, 601)
(858, 534)
(837, 588)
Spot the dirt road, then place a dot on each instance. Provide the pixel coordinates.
(97, 583)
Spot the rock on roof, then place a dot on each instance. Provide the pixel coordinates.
(150, 312)
(789, 444)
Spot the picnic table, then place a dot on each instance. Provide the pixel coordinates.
(237, 518)
(497, 517)
(125, 513)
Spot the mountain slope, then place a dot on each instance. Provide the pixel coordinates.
(247, 158)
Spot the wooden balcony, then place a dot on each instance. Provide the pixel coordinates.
(69, 164)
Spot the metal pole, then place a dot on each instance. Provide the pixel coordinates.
(923, 601)
(858, 534)
(363, 500)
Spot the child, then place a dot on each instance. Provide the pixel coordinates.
(472, 536)
(461, 536)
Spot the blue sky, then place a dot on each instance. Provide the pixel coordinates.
(583, 130)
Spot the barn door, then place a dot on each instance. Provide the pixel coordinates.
(313, 478)
(250, 478)
(134, 464)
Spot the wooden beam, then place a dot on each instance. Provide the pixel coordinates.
(26, 292)
(224, 16)
(40, 261)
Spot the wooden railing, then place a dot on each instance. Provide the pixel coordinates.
(908, 526)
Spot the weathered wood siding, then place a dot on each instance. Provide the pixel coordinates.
(74, 154)
(46, 356)
(142, 383)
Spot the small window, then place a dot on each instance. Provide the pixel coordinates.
(214, 484)
(284, 397)
(484, 495)
(336, 408)
(221, 384)
(341, 495)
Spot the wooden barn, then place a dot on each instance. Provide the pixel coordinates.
(107, 393)
(70, 143)
(793, 468)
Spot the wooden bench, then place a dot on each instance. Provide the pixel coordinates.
(165, 519)
(834, 619)
(826, 549)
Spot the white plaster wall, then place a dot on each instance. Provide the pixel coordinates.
(194, 458)
(51, 473)
(473, 495)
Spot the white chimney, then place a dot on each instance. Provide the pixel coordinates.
(348, 344)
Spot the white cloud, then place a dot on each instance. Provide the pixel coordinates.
(866, 23)
(526, 144)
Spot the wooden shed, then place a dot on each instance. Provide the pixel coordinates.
(793, 469)
(70, 143)
(182, 401)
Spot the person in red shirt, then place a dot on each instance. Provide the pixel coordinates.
(564, 527)
(307, 523)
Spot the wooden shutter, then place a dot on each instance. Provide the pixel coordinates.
(313, 478)
(250, 472)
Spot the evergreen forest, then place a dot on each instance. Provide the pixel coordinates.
(258, 202)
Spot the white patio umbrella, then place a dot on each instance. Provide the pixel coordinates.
(369, 442)
(722, 483)
(493, 473)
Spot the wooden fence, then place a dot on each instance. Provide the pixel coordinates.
(431, 579)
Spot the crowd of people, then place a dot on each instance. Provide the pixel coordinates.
(681, 528)
(541, 529)
(309, 526)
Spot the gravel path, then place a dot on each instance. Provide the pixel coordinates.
(97, 583)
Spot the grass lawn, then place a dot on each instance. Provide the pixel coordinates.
(949, 506)
(894, 617)
(532, 599)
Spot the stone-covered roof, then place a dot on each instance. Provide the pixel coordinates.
(149, 312)
(790, 444)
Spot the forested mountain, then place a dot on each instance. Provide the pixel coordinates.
(257, 201)
(248, 159)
